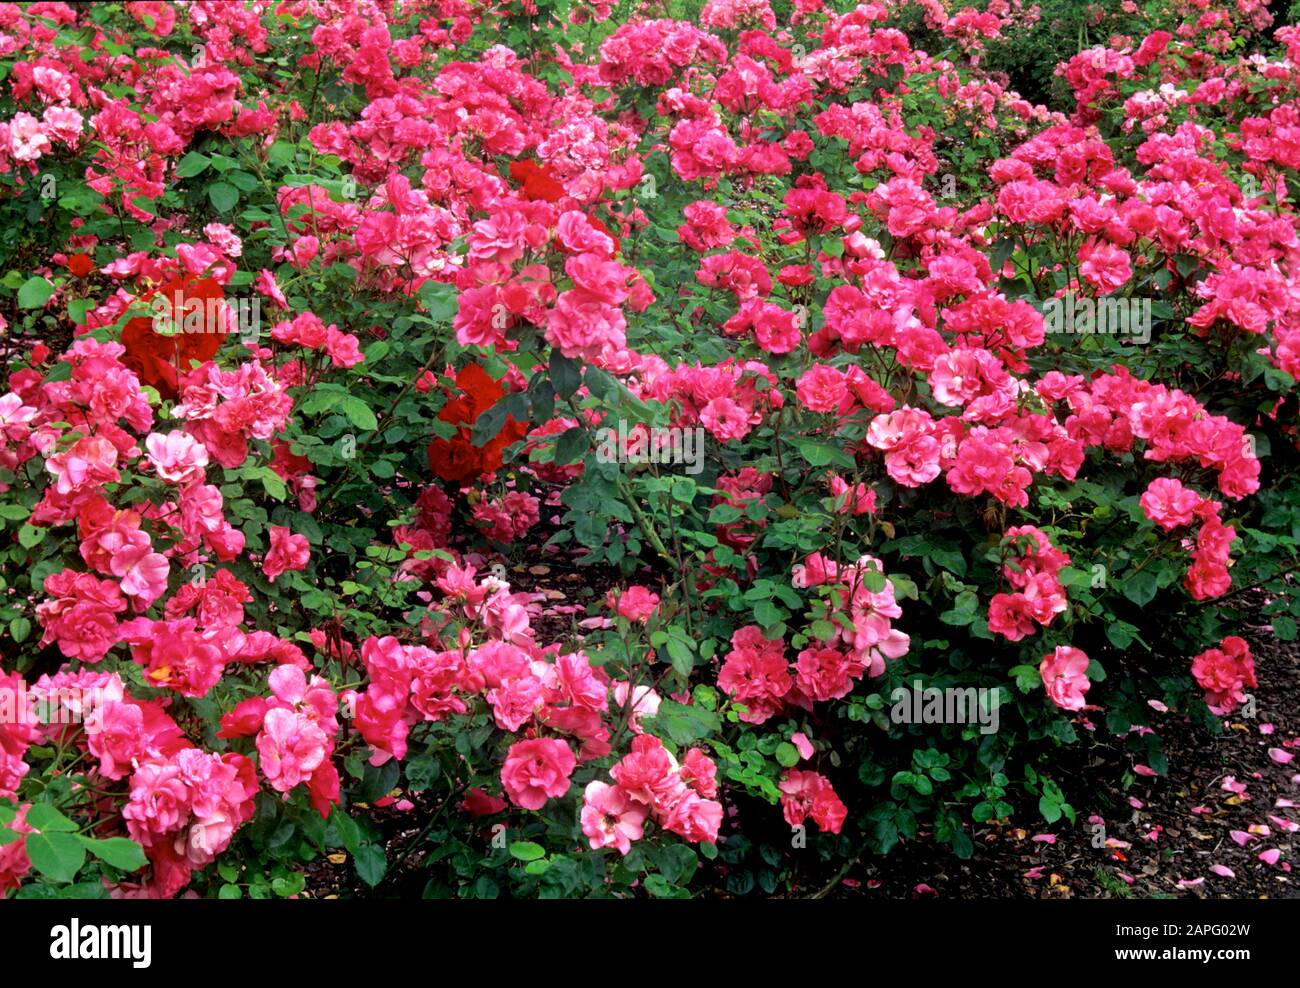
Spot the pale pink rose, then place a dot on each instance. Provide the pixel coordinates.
(610, 818)
(1065, 677)
(291, 746)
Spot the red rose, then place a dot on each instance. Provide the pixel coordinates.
(195, 333)
(457, 460)
(537, 182)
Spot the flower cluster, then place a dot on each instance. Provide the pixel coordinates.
(1224, 673)
(1038, 596)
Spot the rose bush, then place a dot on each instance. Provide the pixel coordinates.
(318, 319)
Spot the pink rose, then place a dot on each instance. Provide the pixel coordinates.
(821, 388)
(1065, 677)
(1169, 504)
(291, 746)
(536, 771)
(287, 552)
(636, 603)
(611, 818)
(178, 457)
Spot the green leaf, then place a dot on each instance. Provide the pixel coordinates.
(34, 293)
(421, 772)
(46, 819)
(346, 828)
(661, 888)
(289, 886)
(30, 535)
(77, 309)
(565, 373)
(1050, 808)
(358, 413)
(371, 863)
(766, 613)
(1121, 633)
(57, 856)
(119, 852)
(787, 754)
(224, 196)
(526, 850)
(272, 482)
(192, 164)
(441, 300)
(1141, 588)
(571, 445)
(1027, 677)
(686, 724)
(680, 653)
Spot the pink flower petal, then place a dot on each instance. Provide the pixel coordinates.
(1223, 871)
(1230, 784)
(1280, 756)
(801, 742)
(1271, 856)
